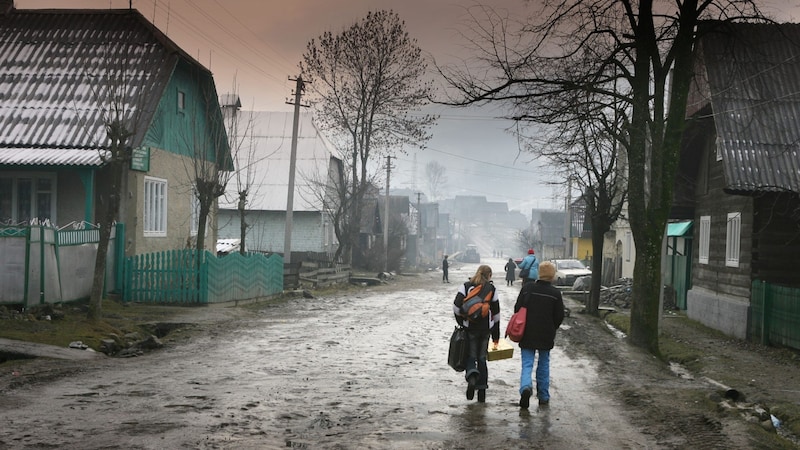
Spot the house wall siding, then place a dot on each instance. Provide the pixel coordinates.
(266, 230)
(174, 137)
(720, 295)
(776, 238)
(716, 276)
(173, 168)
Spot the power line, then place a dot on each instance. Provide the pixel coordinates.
(204, 35)
(290, 66)
(489, 163)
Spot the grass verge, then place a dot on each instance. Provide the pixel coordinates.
(70, 322)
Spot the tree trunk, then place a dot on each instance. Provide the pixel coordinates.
(593, 303)
(646, 291)
(98, 279)
(242, 222)
(112, 199)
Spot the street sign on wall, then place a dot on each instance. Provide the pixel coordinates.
(140, 159)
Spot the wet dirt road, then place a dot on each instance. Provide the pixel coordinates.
(363, 371)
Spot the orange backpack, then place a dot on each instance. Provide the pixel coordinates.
(476, 303)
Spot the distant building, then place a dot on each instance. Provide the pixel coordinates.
(548, 227)
(266, 169)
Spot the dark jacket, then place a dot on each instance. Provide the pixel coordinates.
(492, 323)
(545, 314)
(510, 268)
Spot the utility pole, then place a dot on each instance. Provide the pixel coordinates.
(419, 229)
(287, 242)
(386, 217)
(568, 219)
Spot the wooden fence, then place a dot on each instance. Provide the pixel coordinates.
(312, 274)
(189, 276)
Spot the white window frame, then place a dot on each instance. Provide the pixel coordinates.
(733, 239)
(155, 207)
(181, 101)
(628, 245)
(34, 213)
(704, 239)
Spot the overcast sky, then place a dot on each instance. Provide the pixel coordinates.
(255, 46)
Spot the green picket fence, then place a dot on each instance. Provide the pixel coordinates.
(775, 315)
(184, 276)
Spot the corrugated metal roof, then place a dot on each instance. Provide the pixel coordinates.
(52, 157)
(57, 72)
(753, 71)
(272, 141)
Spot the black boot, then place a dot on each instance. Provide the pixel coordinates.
(525, 399)
(481, 395)
(471, 386)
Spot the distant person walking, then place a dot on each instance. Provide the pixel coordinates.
(529, 267)
(510, 268)
(545, 312)
(445, 266)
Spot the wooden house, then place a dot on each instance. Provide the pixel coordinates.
(373, 220)
(65, 76)
(739, 175)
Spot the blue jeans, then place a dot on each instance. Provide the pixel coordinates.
(542, 372)
(478, 345)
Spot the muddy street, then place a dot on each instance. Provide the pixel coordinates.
(363, 370)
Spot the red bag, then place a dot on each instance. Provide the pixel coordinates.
(516, 325)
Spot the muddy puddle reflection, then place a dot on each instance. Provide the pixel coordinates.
(364, 371)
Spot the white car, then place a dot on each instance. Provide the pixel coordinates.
(568, 270)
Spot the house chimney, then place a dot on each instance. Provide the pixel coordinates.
(230, 105)
(6, 6)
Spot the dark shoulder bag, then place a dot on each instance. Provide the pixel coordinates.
(457, 355)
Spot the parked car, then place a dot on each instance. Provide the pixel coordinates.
(567, 270)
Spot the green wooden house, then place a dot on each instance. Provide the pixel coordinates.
(64, 76)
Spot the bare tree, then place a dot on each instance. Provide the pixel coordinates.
(633, 57)
(436, 178)
(587, 154)
(365, 81)
(330, 191)
(529, 238)
(121, 103)
(241, 141)
(211, 166)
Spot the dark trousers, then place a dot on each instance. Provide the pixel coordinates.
(478, 347)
